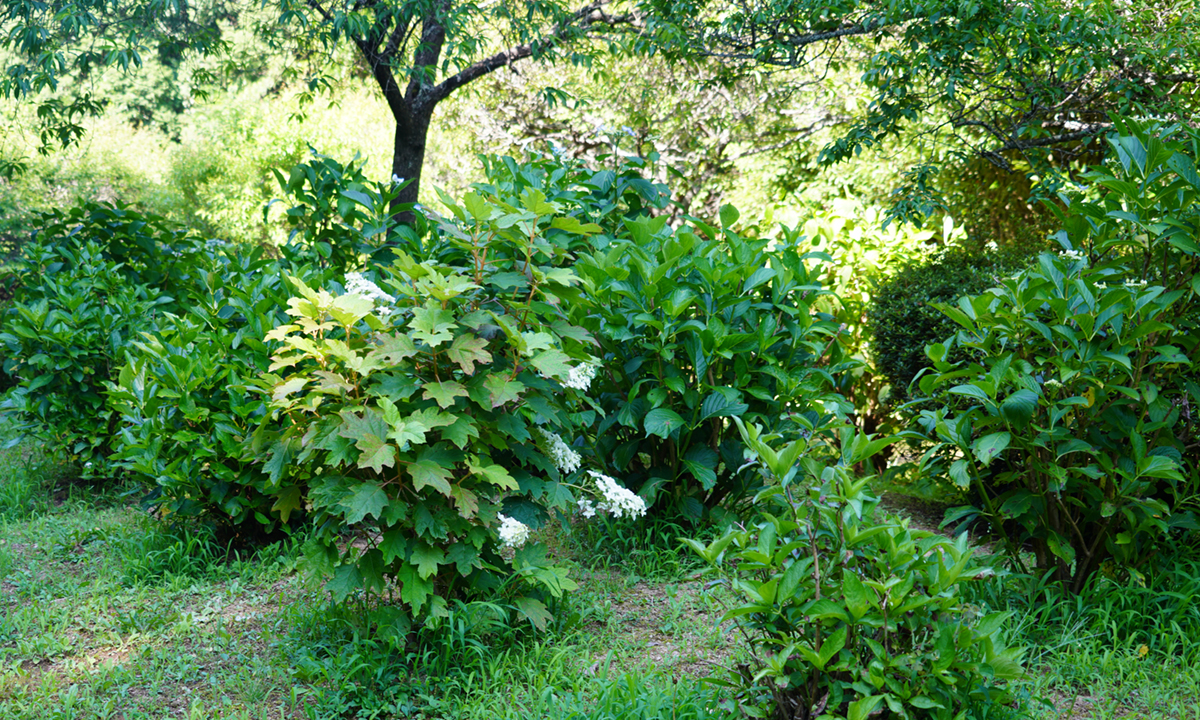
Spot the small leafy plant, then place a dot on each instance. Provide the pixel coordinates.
(846, 614)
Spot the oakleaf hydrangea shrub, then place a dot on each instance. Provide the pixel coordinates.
(848, 614)
(185, 404)
(424, 416)
(1069, 419)
(699, 325)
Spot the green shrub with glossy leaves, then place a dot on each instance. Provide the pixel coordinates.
(699, 324)
(1069, 419)
(847, 614)
(63, 339)
(184, 398)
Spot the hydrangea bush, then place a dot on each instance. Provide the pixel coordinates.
(423, 418)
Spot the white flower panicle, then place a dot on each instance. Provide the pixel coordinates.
(1073, 255)
(565, 459)
(580, 376)
(356, 284)
(513, 532)
(618, 501)
(587, 508)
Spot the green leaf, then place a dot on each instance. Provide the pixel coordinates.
(493, 474)
(960, 472)
(467, 350)
(461, 432)
(284, 389)
(427, 473)
(369, 433)
(290, 499)
(365, 499)
(832, 645)
(534, 611)
(858, 598)
(467, 502)
(718, 405)
(444, 392)
(433, 324)
(989, 446)
(394, 349)
(426, 559)
(1019, 407)
(661, 422)
(861, 708)
(346, 579)
(502, 390)
(552, 363)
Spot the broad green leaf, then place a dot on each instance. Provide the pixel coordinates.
(428, 473)
(284, 389)
(290, 499)
(832, 646)
(461, 432)
(858, 597)
(502, 390)
(493, 474)
(394, 349)
(433, 324)
(989, 446)
(960, 472)
(467, 350)
(426, 559)
(467, 502)
(1019, 407)
(534, 611)
(365, 499)
(444, 392)
(662, 421)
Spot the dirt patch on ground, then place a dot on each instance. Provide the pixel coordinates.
(667, 626)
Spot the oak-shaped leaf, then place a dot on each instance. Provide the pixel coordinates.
(428, 473)
(426, 559)
(467, 350)
(433, 324)
(369, 433)
(365, 499)
(444, 393)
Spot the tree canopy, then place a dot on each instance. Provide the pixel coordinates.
(1034, 80)
(418, 52)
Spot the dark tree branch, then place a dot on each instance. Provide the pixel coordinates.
(581, 19)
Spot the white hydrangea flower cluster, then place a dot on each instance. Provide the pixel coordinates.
(356, 284)
(565, 459)
(1135, 284)
(513, 532)
(618, 501)
(581, 376)
(1073, 255)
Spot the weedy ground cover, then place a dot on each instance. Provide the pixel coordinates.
(107, 613)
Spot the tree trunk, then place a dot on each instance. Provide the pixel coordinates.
(408, 158)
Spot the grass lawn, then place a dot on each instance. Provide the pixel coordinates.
(105, 613)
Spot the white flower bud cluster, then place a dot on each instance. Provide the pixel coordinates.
(1073, 255)
(618, 501)
(1135, 284)
(513, 532)
(356, 284)
(565, 459)
(580, 376)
